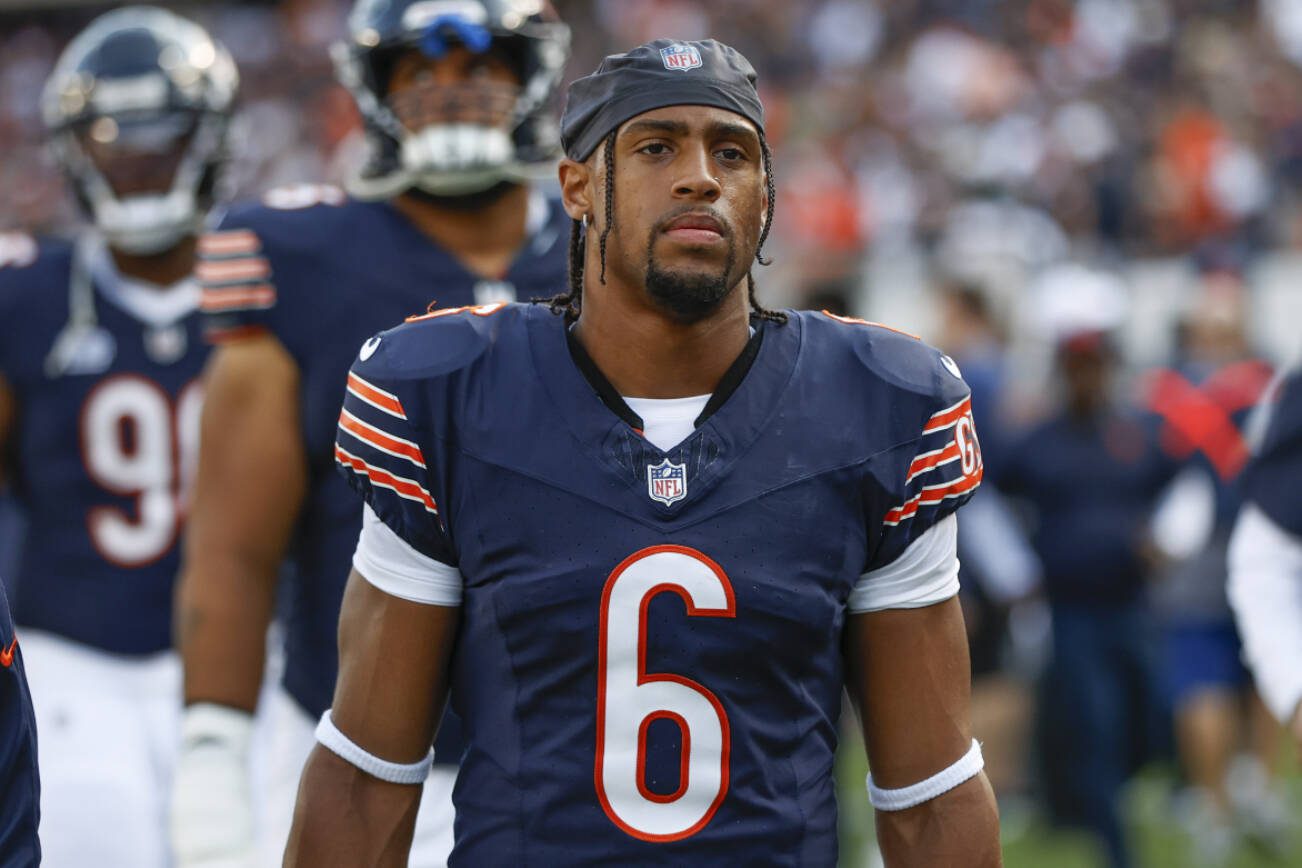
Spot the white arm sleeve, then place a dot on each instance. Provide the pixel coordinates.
(1265, 591)
(926, 573)
(389, 563)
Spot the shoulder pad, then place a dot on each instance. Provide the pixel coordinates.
(895, 357)
(297, 197)
(292, 218)
(438, 342)
(29, 264)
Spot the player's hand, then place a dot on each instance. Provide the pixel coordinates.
(212, 813)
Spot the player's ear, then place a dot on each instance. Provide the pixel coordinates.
(576, 189)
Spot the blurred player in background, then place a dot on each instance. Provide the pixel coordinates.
(455, 99)
(1203, 402)
(100, 358)
(1266, 557)
(709, 517)
(19, 844)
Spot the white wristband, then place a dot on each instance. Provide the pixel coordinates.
(968, 766)
(348, 750)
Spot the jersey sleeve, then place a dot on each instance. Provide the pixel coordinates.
(238, 290)
(935, 473)
(1274, 472)
(383, 456)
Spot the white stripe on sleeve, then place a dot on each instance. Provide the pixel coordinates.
(1265, 591)
(389, 563)
(926, 573)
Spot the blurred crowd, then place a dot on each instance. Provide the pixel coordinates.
(1092, 205)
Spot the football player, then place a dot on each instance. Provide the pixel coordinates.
(1265, 586)
(455, 98)
(661, 528)
(100, 359)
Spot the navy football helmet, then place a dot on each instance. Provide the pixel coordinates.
(461, 139)
(137, 111)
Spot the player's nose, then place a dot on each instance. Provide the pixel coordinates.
(696, 177)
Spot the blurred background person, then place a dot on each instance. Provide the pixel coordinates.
(1227, 744)
(1091, 473)
(1266, 557)
(456, 105)
(100, 357)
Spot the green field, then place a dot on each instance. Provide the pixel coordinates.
(1029, 843)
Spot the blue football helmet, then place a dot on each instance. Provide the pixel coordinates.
(453, 140)
(137, 110)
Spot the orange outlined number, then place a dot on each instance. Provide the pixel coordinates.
(629, 699)
(135, 443)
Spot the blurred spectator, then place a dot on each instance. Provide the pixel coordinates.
(1091, 472)
(1204, 402)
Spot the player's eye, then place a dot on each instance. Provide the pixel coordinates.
(732, 155)
(654, 149)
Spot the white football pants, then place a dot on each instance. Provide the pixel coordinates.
(107, 730)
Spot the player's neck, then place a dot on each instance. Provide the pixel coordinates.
(644, 353)
(484, 239)
(159, 269)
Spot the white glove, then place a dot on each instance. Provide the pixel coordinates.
(212, 814)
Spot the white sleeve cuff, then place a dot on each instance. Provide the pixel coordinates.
(925, 574)
(389, 563)
(1265, 591)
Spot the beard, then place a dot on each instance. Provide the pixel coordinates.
(688, 296)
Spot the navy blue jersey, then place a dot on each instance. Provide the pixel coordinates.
(649, 664)
(20, 784)
(104, 443)
(1093, 484)
(1275, 471)
(323, 272)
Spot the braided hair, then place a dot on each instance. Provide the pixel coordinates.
(570, 303)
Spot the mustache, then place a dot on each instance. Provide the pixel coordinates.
(724, 226)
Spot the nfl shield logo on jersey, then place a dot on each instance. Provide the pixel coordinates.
(666, 482)
(680, 57)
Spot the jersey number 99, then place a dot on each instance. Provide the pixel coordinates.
(136, 444)
(629, 699)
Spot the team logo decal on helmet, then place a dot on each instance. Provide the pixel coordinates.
(680, 57)
(142, 87)
(458, 139)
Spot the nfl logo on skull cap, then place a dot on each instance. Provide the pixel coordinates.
(680, 57)
(666, 482)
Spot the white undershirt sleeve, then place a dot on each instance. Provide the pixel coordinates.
(925, 574)
(389, 563)
(1265, 591)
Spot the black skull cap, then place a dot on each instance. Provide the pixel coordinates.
(659, 73)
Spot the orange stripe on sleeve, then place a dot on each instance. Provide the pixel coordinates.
(400, 485)
(234, 270)
(375, 438)
(948, 416)
(375, 396)
(229, 243)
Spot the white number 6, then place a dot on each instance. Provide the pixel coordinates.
(629, 698)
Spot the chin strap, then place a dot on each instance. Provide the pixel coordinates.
(82, 319)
